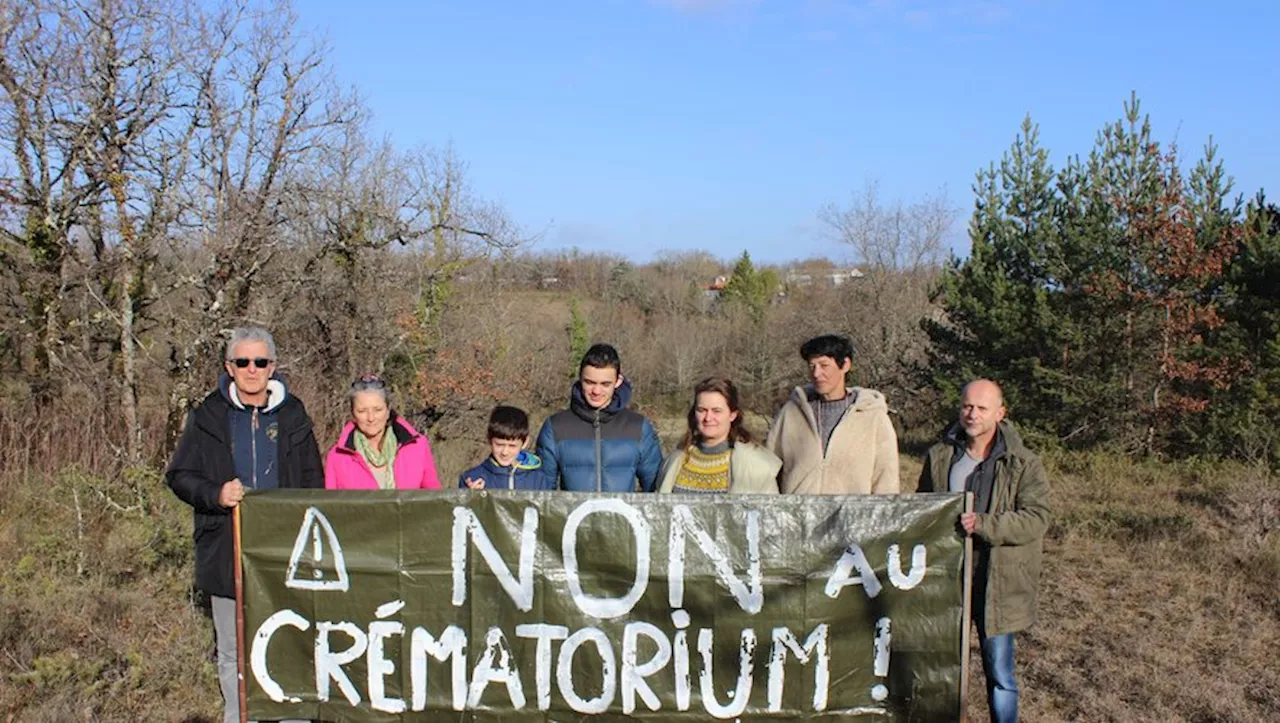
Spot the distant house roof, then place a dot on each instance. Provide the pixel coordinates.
(836, 278)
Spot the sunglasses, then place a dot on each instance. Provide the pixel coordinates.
(368, 381)
(260, 362)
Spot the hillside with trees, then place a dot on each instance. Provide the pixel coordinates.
(170, 170)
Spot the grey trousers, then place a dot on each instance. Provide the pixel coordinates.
(224, 634)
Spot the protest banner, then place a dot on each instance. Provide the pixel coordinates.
(391, 606)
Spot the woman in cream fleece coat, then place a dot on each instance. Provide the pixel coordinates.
(833, 439)
(860, 458)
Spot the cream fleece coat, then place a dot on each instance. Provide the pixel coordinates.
(862, 457)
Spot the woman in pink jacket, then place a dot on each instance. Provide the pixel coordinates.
(377, 449)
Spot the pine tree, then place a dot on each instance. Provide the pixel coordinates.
(1185, 257)
(1000, 322)
(750, 288)
(1089, 292)
(1243, 417)
(579, 336)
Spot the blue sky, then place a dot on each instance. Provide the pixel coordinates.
(638, 125)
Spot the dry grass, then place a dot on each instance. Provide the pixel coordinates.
(95, 615)
(1158, 602)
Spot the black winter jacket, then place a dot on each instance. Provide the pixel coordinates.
(203, 463)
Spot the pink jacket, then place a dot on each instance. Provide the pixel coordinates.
(346, 469)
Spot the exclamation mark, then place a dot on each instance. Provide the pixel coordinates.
(317, 552)
(881, 664)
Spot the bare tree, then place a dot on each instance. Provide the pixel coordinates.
(894, 237)
(460, 227)
(900, 248)
(351, 204)
(133, 51)
(45, 182)
(169, 170)
(266, 105)
(91, 97)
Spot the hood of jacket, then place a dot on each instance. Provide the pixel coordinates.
(864, 400)
(405, 433)
(526, 460)
(620, 401)
(277, 392)
(1008, 441)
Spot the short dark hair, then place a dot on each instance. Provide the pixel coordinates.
(508, 423)
(835, 346)
(601, 356)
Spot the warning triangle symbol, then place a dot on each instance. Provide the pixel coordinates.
(317, 562)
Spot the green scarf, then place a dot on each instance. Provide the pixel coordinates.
(382, 457)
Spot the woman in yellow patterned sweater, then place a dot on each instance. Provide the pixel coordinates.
(717, 454)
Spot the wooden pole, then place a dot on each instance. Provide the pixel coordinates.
(239, 574)
(965, 624)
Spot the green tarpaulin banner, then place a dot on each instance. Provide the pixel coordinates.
(536, 606)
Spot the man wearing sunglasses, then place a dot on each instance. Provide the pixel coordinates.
(248, 434)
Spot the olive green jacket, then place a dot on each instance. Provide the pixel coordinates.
(1010, 536)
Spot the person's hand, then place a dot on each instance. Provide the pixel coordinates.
(475, 484)
(969, 522)
(231, 494)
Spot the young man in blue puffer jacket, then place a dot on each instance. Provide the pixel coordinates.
(598, 444)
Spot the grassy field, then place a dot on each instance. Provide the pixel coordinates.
(1159, 599)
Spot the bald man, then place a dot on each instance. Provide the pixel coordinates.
(983, 454)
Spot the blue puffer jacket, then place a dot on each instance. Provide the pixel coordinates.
(600, 450)
(524, 474)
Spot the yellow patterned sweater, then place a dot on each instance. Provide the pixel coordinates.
(705, 470)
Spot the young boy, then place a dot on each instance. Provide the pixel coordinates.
(509, 466)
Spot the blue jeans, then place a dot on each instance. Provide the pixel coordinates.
(1002, 688)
